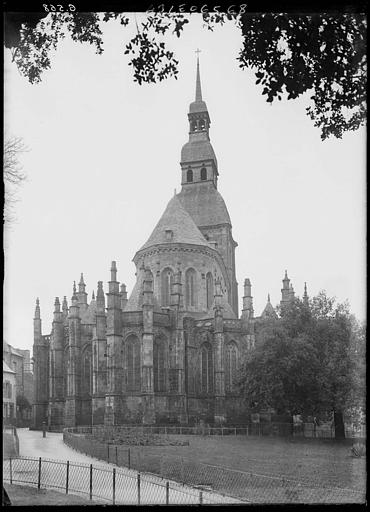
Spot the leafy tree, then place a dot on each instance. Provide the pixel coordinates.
(22, 402)
(323, 55)
(305, 362)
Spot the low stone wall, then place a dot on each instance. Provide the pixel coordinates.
(10, 444)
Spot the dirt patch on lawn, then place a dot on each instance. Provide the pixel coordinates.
(22, 495)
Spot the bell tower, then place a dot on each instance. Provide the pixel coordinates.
(198, 160)
(199, 195)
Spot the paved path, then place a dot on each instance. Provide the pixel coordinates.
(55, 454)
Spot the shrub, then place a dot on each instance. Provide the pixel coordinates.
(358, 450)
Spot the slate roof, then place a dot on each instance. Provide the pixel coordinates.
(12, 350)
(204, 204)
(197, 150)
(6, 368)
(227, 310)
(176, 219)
(88, 317)
(198, 106)
(135, 302)
(269, 311)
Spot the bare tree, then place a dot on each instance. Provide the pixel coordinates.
(13, 175)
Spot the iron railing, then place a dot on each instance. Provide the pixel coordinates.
(115, 485)
(305, 430)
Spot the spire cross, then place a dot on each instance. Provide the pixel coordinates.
(197, 51)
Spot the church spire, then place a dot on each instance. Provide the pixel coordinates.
(305, 295)
(198, 159)
(198, 88)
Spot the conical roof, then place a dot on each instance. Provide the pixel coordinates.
(88, 316)
(269, 310)
(204, 204)
(175, 226)
(135, 302)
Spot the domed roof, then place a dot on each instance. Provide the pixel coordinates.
(175, 226)
(197, 150)
(197, 106)
(204, 204)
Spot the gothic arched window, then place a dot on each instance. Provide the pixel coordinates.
(159, 365)
(166, 288)
(203, 174)
(95, 367)
(230, 365)
(132, 363)
(209, 289)
(190, 287)
(206, 369)
(189, 176)
(86, 372)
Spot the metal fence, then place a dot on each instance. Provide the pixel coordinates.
(247, 486)
(116, 485)
(304, 430)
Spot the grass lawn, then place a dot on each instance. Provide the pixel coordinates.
(23, 495)
(315, 465)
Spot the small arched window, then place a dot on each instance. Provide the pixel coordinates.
(203, 174)
(189, 176)
(206, 369)
(230, 365)
(159, 365)
(166, 286)
(190, 287)
(209, 289)
(132, 363)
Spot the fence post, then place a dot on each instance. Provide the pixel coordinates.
(235, 431)
(39, 478)
(182, 470)
(138, 488)
(167, 493)
(200, 497)
(11, 471)
(116, 455)
(129, 458)
(67, 477)
(91, 473)
(108, 450)
(114, 486)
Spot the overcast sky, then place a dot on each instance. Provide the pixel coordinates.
(104, 162)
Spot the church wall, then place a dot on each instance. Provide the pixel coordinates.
(201, 262)
(56, 414)
(97, 409)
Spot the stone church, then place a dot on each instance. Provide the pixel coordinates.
(171, 351)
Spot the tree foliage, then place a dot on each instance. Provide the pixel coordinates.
(306, 362)
(325, 55)
(322, 55)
